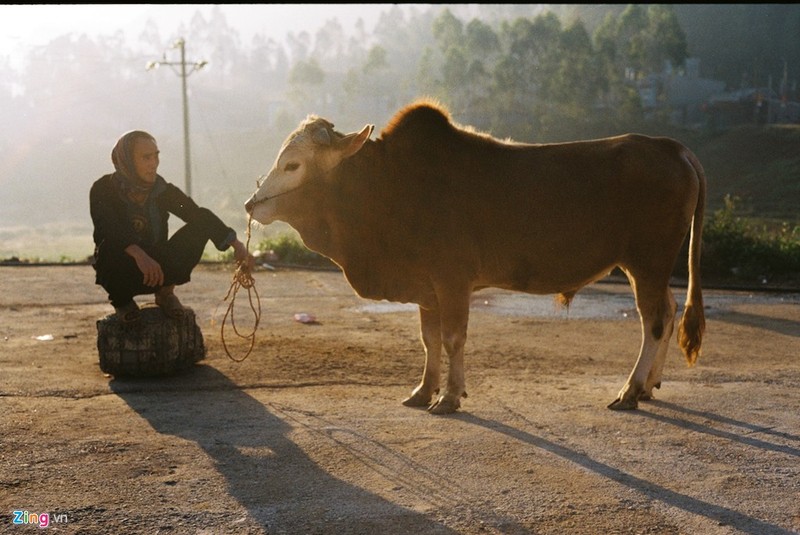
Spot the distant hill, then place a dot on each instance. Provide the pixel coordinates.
(760, 165)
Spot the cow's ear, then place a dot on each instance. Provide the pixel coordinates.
(320, 136)
(352, 143)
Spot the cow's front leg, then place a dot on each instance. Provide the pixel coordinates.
(431, 334)
(454, 310)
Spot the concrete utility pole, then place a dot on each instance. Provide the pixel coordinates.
(184, 74)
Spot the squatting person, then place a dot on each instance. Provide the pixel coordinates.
(134, 254)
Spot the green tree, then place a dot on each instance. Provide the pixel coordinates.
(482, 46)
(568, 95)
(637, 43)
(369, 88)
(630, 39)
(527, 61)
(463, 80)
(215, 41)
(666, 40)
(330, 44)
(376, 60)
(616, 94)
(426, 72)
(642, 39)
(448, 31)
(305, 81)
(481, 40)
(306, 73)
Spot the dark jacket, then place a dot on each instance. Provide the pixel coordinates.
(115, 219)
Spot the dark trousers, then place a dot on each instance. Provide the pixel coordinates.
(119, 275)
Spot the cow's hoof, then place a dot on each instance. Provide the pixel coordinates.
(444, 406)
(647, 393)
(624, 404)
(417, 400)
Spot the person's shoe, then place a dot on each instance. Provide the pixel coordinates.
(170, 305)
(129, 313)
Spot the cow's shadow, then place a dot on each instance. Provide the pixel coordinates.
(722, 515)
(777, 325)
(744, 436)
(265, 471)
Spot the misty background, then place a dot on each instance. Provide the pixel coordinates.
(533, 72)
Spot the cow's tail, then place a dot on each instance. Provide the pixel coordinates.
(693, 321)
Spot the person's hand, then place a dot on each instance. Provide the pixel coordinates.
(243, 256)
(151, 270)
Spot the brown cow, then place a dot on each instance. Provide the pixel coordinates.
(430, 212)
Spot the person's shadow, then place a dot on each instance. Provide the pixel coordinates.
(268, 474)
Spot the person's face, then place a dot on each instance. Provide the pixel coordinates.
(145, 159)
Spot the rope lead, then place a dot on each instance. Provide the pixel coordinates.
(242, 278)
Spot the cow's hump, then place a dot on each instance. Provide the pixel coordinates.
(420, 116)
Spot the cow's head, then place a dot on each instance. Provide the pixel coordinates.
(308, 154)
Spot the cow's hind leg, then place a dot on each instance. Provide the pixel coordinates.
(431, 334)
(657, 312)
(654, 377)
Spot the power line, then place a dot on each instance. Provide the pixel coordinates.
(184, 74)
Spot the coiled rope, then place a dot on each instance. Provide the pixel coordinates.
(242, 278)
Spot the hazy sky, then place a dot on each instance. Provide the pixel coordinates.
(31, 25)
(22, 232)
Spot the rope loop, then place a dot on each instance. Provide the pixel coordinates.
(242, 278)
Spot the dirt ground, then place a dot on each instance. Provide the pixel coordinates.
(308, 434)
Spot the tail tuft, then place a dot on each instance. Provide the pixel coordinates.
(690, 332)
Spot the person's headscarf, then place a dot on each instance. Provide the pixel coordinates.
(122, 158)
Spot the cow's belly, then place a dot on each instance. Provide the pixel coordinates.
(400, 285)
(543, 285)
(542, 273)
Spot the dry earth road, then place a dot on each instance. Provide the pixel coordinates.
(308, 435)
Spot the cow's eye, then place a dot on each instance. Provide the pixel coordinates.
(291, 167)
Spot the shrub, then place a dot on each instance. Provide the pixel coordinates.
(289, 250)
(735, 248)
